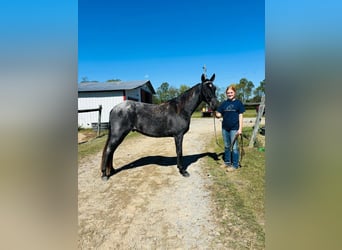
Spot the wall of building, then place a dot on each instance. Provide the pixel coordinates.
(108, 99)
(91, 100)
(133, 94)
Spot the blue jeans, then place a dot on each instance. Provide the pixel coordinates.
(228, 137)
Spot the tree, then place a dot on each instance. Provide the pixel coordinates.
(262, 86)
(221, 95)
(162, 92)
(165, 92)
(183, 88)
(249, 89)
(155, 99)
(173, 92)
(244, 89)
(259, 92)
(114, 80)
(85, 79)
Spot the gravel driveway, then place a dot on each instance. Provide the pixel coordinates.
(149, 205)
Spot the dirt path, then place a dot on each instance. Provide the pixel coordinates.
(149, 205)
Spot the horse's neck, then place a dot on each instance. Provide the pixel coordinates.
(190, 99)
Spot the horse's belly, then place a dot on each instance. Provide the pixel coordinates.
(157, 129)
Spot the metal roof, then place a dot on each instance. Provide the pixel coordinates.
(110, 86)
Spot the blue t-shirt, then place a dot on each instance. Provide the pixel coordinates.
(230, 111)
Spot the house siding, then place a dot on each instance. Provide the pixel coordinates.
(108, 94)
(91, 100)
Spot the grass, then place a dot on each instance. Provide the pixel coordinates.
(196, 114)
(250, 113)
(95, 144)
(239, 198)
(91, 147)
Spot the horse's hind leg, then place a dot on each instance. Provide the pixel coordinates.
(107, 159)
(112, 143)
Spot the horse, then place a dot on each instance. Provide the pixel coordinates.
(169, 119)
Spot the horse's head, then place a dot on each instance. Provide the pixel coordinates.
(209, 92)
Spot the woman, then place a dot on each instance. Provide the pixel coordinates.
(232, 112)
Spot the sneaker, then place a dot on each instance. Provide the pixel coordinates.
(224, 165)
(230, 169)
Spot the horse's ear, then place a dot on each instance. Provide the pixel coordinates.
(203, 78)
(212, 78)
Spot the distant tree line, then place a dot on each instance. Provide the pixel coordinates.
(166, 92)
(246, 92)
(244, 89)
(85, 79)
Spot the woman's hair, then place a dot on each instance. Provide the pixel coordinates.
(232, 86)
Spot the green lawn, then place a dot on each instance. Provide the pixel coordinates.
(239, 197)
(250, 113)
(96, 144)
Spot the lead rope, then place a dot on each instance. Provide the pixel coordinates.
(242, 151)
(240, 145)
(215, 133)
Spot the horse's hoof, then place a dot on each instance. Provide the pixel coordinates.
(184, 173)
(105, 178)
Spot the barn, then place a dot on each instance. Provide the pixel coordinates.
(107, 94)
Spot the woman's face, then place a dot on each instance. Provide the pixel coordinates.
(230, 94)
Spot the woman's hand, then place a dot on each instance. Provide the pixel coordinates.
(218, 114)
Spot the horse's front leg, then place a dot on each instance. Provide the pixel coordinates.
(179, 151)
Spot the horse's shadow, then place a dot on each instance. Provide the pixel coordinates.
(165, 161)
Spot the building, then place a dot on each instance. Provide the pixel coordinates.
(108, 94)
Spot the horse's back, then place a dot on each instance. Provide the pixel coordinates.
(122, 114)
(122, 107)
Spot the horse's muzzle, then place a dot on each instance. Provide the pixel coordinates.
(214, 103)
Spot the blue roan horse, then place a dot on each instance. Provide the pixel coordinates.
(169, 119)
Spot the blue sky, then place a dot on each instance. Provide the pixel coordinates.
(170, 41)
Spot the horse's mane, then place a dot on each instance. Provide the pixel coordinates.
(179, 101)
(184, 95)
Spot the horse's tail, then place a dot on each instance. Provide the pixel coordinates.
(108, 137)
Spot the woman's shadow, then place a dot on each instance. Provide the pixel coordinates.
(166, 161)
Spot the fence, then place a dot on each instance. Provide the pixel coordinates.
(99, 117)
(257, 121)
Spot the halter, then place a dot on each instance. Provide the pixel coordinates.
(207, 81)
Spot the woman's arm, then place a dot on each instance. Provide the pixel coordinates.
(240, 123)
